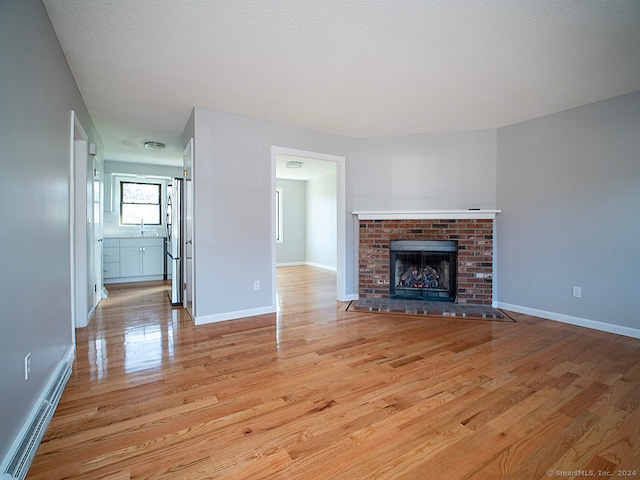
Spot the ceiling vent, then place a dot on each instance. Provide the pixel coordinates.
(154, 145)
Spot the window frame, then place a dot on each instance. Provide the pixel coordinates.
(158, 184)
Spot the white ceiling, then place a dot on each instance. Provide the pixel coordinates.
(311, 167)
(356, 68)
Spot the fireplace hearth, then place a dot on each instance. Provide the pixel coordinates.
(423, 269)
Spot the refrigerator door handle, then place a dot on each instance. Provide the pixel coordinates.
(168, 215)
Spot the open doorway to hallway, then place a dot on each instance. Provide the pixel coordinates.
(308, 212)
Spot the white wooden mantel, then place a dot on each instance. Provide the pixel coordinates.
(426, 214)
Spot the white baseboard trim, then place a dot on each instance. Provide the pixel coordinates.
(17, 462)
(148, 278)
(70, 356)
(222, 317)
(323, 267)
(290, 264)
(309, 264)
(580, 322)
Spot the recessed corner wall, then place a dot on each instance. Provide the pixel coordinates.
(568, 185)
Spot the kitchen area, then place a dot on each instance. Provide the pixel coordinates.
(141, 218)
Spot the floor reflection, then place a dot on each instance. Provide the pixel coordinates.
(142, 348)
(136, 330)
(133, 330)
(98, 351)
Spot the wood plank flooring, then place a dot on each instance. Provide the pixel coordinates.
(317, 392)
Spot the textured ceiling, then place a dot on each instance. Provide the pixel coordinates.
(357, 68)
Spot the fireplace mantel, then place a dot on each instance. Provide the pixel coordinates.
(426, 214)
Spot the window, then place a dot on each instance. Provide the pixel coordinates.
(140, 202)
(279, 222)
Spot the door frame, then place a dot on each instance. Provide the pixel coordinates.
(80, 223)
(188, 226)
(341, 260)
(98, 225)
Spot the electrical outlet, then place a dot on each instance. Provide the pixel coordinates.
(577, 292)
(256, 285)
(27, 366)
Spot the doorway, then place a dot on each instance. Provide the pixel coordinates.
(324, 164)
(84, 227)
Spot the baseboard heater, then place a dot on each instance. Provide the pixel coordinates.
(26, 450)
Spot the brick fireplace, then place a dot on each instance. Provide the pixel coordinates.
(473, 237)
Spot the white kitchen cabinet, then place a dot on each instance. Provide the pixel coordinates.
(132, 259)
(110, 258)
(153, 260)
(141, 257)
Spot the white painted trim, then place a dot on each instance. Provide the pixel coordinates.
(72, 223)
(310, 264)
(580, 322)
(280, 209)
(147, 278)
(274, 278)
(426, 214)
(70, 356)
(321, 266)
(341, 273)
(221, 317)
(189, 189)
(78, 215)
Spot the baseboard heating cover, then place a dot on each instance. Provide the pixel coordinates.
(26, 450)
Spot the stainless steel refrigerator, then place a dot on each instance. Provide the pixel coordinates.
(175, 215)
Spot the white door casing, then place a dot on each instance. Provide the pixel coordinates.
(188, 236)
(341, 283)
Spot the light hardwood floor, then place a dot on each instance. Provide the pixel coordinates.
(317, 392)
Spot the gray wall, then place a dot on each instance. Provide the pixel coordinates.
(568, 185)
(310, 222)
(423, 172)
(233, 196)
(293, 250)
(37, 93)
(322, 221)
(233, 217)
(142, 169)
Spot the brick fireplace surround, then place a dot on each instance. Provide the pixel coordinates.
(474, 237)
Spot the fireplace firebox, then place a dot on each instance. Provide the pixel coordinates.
(423, 269)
